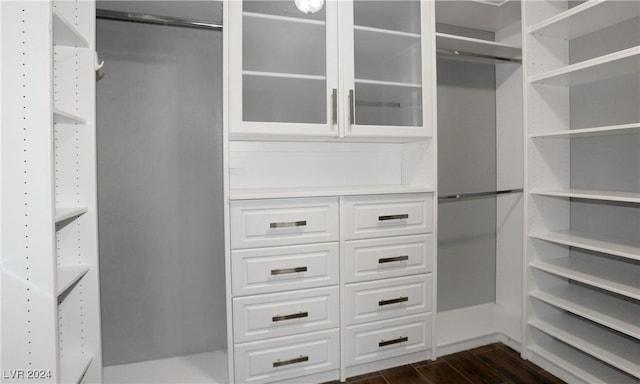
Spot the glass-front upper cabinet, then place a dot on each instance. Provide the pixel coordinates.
(388, 68)
(353, 68)
(283, 69)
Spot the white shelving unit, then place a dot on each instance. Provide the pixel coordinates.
(68, 276)
(583, 280)
(607, 310)
(588, 71)
(622, 129)
(49, 141)
(630, 197)
(588, 17)
(65, 33)
(62, 117)
(65, 213)
(614, 276)
(591, 242)
(476, 46)
(602, 344)
(578, 364)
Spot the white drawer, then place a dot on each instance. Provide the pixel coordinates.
(265, 270)
(261, 223)
(388, 257)
(287, 357)
(388, 215)
(385, 299)
(282, 314)
(381, 340)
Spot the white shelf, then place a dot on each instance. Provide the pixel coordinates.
(608, 310)
(612, 276)
(628, 197)
(277, 193)
(622, 129)
(588, 71)
(283, 18)
(585, 18)
(484, 15)
(62, 117)
(68, 275)
(64, 33)
(283, 75)
(64, 213)
(386, 32)
(476, 46)
(613, 349)
(590, 242)
(581, 365)
(73, 368)
(388, 83)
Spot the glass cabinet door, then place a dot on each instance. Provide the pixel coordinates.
(387, 76)
(287, 73)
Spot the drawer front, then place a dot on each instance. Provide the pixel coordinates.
(282, 314)
(385, 339)
(287, 357)
(385, 299)
(262, 223)
(388, 215)
(388, 257)
(266, 270)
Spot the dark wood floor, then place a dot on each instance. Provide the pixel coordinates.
(491, 364)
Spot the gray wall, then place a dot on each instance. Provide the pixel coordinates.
(159, 121)
(610, 162)
(466, 163)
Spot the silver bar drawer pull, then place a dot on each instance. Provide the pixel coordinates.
(402, 339)
(288, 224)
(383, 260)
(284, 271)
(289, 317)
(393, 217)
(300, 359)
(400, 299)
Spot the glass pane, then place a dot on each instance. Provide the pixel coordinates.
(276, 46)
(284, 63)
(387, 57)
(403, 16)
(387, 63)
(388, 105)
(284, 100)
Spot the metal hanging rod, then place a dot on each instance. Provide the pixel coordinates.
(479, 194)
(462, 55)
(157, 20)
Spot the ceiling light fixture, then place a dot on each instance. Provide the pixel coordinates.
(309, 6)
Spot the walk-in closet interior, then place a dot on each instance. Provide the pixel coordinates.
(303, 191)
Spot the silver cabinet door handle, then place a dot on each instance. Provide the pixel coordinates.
(288, 224)
(352, 112)
(383, 260)
(334, 106)
(300, 359)
(393, 217)
(400, 299)
(402, 339)
(284, 271)
(290, 317)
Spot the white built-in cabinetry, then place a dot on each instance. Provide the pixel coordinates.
(353, 69)
(583, 189)
(331, 178)
(479, 80)
(50, 302)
